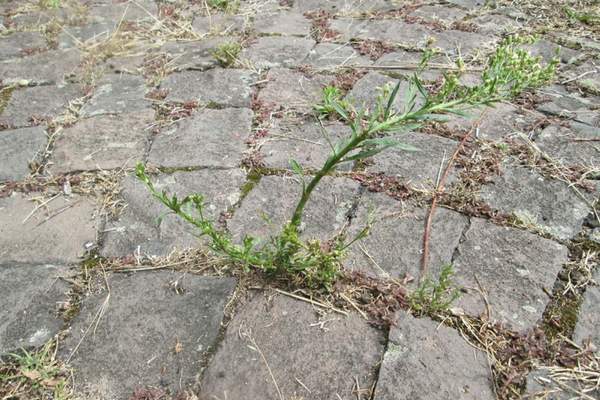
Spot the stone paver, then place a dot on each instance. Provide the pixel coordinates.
(87, 35)
(29, 304)
(18, 148)
(290, 89)
(209, 138)
(42, 68)
(117, 94)
(20, 43)
(91, 88)
(56, 233)
(394, 246)
(514, 269)
(218, 24)
(570, 145)
(196, 55)
(573, 106)
(547, 204)
(283, 23)
(271, 203)
(331, 55)
(503, 121)
(588, 322)
(139, 340)
(274, 51)
(304, 140)
(34, 105)
(318, 362)
(138, 228)
(419, 168)
(102, 142)
(427, 360)
(228, 87)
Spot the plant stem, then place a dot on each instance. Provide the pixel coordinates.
(327, 167)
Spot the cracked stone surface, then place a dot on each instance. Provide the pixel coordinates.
(283, 23)
(117, 94)
(570, 145)
(305, 141)
(229, 87)
(535, 200)
(138, 228)
(88, 89)
(402, 224)
(515, 269)
(273, 51)
(271, 203)
(140, 341)
(320, 362)
(29, 105)
(195, 55)
(221, 134)
(18, 148)
(86, 35)
(290, 89)
(43, 68)
(102, 142)
(427, 360)
(330, 55)
(56, 233)
(497, 123)
(28, 305)
(588, 323)
(20, 43)
(420, 168)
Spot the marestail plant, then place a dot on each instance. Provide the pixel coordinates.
(510, 70)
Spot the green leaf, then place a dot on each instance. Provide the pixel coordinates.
(296, 167)
(340, 110)
(391, 99)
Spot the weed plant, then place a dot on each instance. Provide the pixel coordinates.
(510, 70)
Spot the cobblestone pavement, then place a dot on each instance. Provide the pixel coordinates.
(133, 309)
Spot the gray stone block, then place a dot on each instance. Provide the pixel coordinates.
(292, 90)
(29, 304)
(102, 142)
(277, 51)
(153, 331)
(17, 44)
(394, 245)
(311, 356)
(117, 94)
(43, 68)
(209, 138)
(548, 204)
(430, 361)
(37, 103)
(18, 148)
(512, 268)
(227, 87)
(588, 323)
(55, 233)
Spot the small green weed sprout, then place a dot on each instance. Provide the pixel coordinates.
(229, 6)
(33, 375)
(332, 97)
(227, 54)
(50, 3)
(434, 297)
(510, 70)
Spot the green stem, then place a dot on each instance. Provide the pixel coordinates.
(327, 167)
